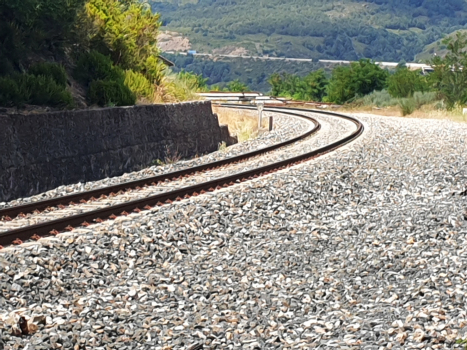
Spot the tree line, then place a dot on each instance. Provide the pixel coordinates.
(348, 83)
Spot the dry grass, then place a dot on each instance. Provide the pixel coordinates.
(425, 112)
(244, 124)
(174, 89)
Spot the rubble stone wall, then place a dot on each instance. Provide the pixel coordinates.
(40, 152)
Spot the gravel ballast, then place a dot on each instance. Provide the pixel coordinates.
(285, 128)
(364, 248)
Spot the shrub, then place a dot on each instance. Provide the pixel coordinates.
(358, 79)
(139, 84)
(96, 66)
(174, 89)
(9, 93)
(195, 81)
(36, 26)
(53, 70)
(6, 67)
(312, 87)
(404, 83)
(154, 70)
(450, 76)
(424, 98)
(39, 90)
(379, 99)
(43, 91)
(108, 92)
(236, 86)
(127, 30)
(407, 105)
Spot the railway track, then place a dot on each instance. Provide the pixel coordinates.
(53, 227)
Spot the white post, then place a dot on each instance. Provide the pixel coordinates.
(260, 114)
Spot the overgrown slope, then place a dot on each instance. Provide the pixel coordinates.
(75, 53)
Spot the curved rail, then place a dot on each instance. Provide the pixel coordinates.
(53, 227)
(14, 211)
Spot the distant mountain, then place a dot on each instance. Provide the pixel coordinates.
(390, 30)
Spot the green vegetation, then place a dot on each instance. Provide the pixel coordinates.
(253, 73)
(195, 81)
(358, 79)
(55, 71)
(389, 30)
(125, 30)
(140, 85)
(110, 93)
(31, 27)
(450, 75)
(42, 86)
(237, 86)
(96, 66)
(404, 82)
(106, 46)
(309, 88)
(106, 83)
(407, 106)
(462, 342)
(363, 83)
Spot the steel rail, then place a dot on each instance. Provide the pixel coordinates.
(66, 200)
(53, 227)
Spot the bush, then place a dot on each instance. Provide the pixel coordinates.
(424, 98)
(43, 91)
(139, 84)
(407, 105)
(96, 66)
(154, 70)
(9, 93)
(39, 90)
(360, 79)
(32, 27)
(195, 81)
(450, 76)
(53, 70)
(236, 86)
(404, 83)
(108, 93)
(379, 99)
(309, 88)
(126, 30)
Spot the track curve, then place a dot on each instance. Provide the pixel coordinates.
(55, 226)
(14, 211)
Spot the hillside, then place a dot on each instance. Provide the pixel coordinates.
(390, 30)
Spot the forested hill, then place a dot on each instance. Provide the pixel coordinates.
(391, 30)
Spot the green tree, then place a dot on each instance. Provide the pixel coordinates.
(404, 82)
(35, 26)
(358, 79)
(127, 32)
(236, 86)
(450, 76)
(311, 87)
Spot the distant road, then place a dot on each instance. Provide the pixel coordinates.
(413, 66)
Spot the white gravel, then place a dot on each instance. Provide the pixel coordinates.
(332, 129)
(364, 248)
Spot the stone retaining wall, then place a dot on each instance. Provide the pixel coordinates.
(40, 152)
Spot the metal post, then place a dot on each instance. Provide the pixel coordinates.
(271, 122)
(260, 114)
